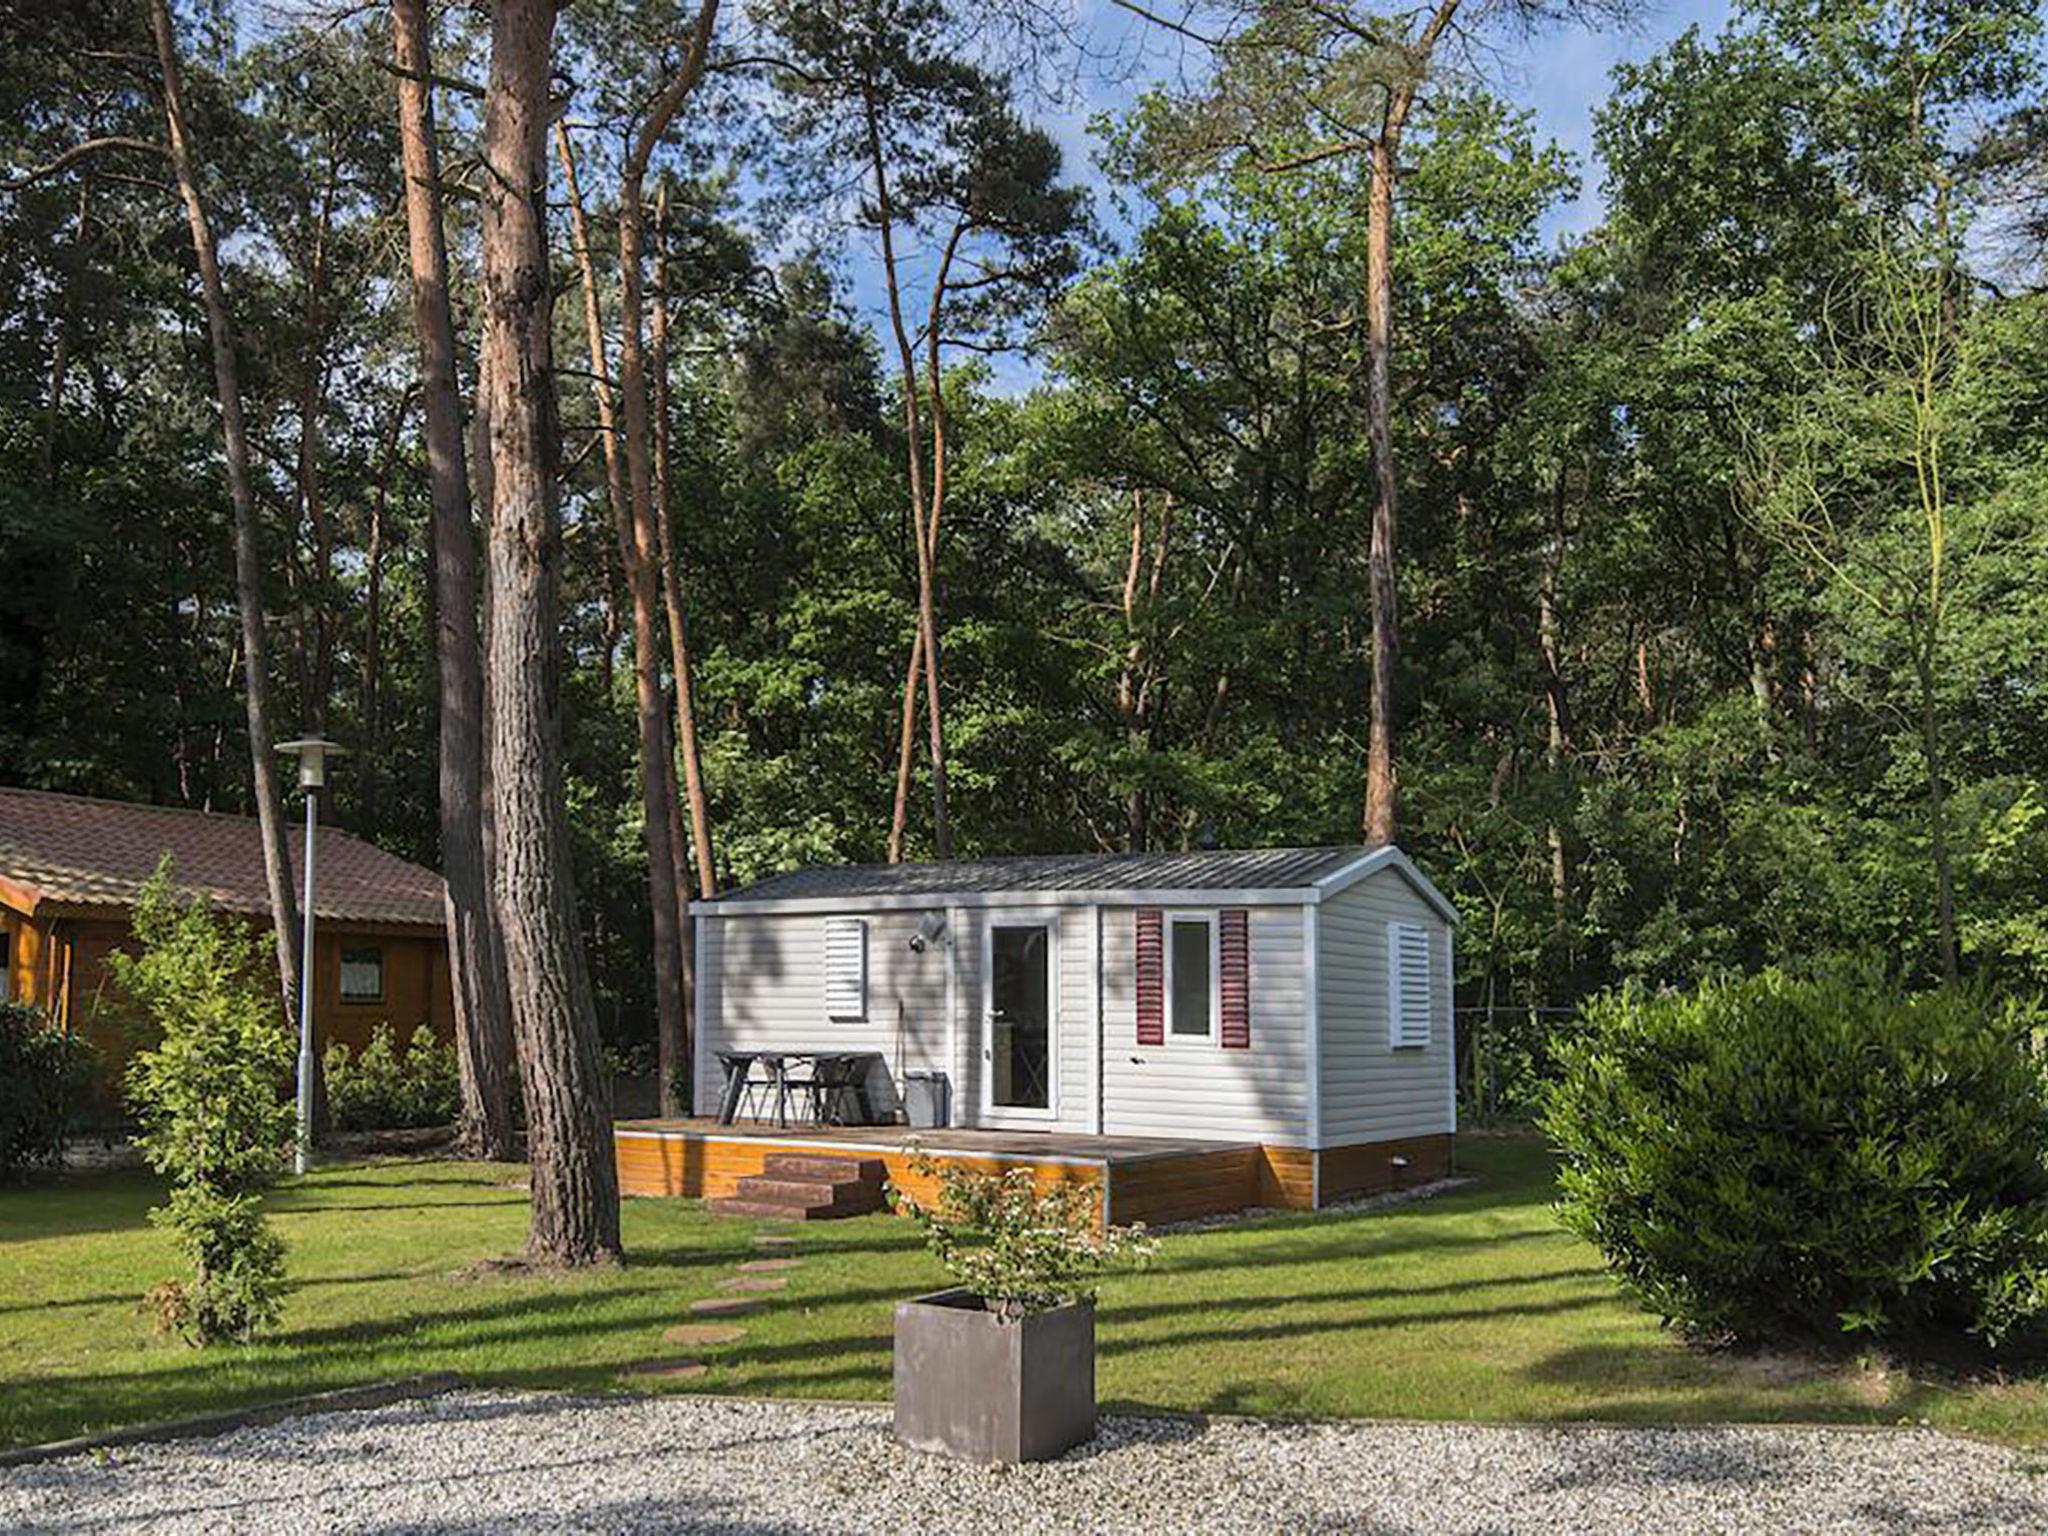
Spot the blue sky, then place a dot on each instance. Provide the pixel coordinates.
(1561, 75)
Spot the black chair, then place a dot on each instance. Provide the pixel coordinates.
(839, 1092)
(743, 1091)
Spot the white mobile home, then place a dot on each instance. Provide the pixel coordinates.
(1295, 1001)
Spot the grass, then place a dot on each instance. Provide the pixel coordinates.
(1471, 1306)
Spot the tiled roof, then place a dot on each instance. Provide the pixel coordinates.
(73, 850)
(1208, 869)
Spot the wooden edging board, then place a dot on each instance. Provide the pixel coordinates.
(376, 1394)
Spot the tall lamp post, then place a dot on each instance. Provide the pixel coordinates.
(312, 753)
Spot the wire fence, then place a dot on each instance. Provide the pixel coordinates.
(1505, 1056)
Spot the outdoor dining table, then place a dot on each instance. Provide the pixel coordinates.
(739, 1071)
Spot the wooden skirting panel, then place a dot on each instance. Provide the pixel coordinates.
(696, 1167)
(1155, 1190)
(1287, 1178)
(1163, 1189)
(1368, 1167)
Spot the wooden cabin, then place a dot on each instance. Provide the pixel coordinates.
(70, 870)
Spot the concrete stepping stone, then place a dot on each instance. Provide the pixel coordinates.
(702, 1333)
(669, 1370)
(767, 1266)
(726, 1306)
(753, 1283)
(775, 1240)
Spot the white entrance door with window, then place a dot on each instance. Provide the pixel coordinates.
(1020, 1018)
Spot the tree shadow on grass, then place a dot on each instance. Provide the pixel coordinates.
(1181, 1256)
(1664, 1381)
(285, 1206)
(1175, 1305)
(1277, 1330)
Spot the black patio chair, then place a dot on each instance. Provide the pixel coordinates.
(838, 1091)
(743, 1090)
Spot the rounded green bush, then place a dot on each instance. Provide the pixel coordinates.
(1805, 1157)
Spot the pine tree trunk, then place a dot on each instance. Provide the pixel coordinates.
(701, 852)
(1380, 784)
(478, 991)
(1556, 705)
(263, 764)
(657, 755)
(1381, 780)
(373, 622)
(640, 551)
(1127, 679)
(575, 1192)
(924, 659)
(316, 620)
(593, 336)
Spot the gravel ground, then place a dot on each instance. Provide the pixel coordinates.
(488, 1462)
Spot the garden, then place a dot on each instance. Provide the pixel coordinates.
(1476, 1305)
(1792, 1197)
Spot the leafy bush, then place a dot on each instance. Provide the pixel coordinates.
(43, 1076)
(383, 1088)
(215, 1118)
(1804, 1157)
(1019, 1248)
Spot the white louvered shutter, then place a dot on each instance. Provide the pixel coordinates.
(846, 967)
(1409, 1004)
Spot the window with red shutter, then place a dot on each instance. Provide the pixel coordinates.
(1234, 945)
(1151, 977)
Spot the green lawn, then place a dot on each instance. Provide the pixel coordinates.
(1472, 1306)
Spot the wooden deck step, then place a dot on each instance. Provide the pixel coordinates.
(806, 1187)
(826, 1169)
(761, 1210)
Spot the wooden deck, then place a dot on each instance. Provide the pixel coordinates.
(1141, 1178)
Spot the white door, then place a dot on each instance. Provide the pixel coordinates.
(1019, 1018)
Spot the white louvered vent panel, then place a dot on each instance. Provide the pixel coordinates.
(846, 967)
(1409, 1009)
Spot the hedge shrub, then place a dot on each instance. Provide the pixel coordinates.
(382, 1088)
(43, 1079)
(1788, 1157)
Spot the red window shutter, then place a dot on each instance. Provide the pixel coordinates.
(1234, 940)
(1151, 978)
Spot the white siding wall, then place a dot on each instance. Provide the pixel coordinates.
(1196, 1088)
(1372, 1092)
(764, 988)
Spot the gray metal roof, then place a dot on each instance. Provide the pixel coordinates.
(1208, 869)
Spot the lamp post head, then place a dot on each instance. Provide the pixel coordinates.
(312, 753)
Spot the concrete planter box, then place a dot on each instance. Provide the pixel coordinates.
(972, 1385)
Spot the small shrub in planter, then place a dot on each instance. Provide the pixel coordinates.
(1002, 1368)
(1805, 1157)
(383, 1088)
(212, 1101)
(43, 1079)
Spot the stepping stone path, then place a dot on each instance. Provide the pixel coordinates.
(753, 1275)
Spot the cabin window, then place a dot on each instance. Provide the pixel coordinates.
(6, 965)
(846, 968)
(362, 974)
(1410, 1003)
(1191, 975)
